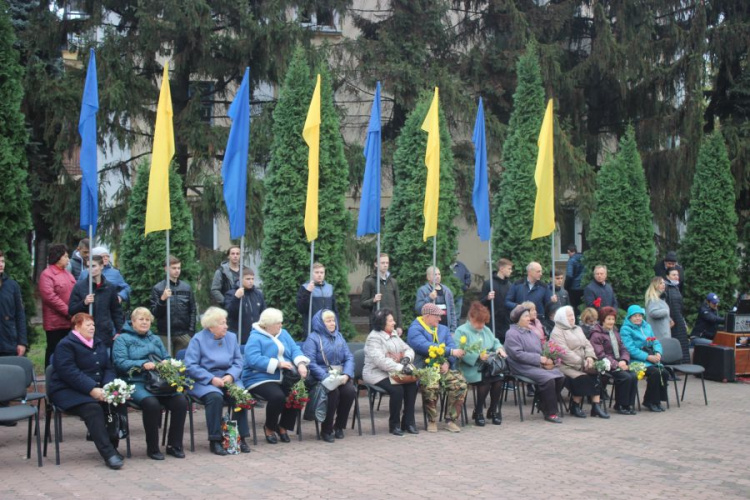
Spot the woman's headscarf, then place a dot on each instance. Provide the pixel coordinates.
(319, 327)
(561, 318)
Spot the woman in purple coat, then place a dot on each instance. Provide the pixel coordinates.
(213, 360)
(525, 359)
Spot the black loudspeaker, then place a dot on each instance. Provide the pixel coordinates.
(717, 360)
(738, 323)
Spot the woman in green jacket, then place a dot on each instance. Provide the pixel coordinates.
(478, 341)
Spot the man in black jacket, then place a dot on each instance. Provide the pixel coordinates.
(252, 301)
(108, 317)
(708, 321)
(599, 292)
(182, 310)
(500, 287)
(13, 340)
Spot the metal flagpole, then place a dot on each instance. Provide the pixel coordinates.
(91, 278)
(434, 263)
(492, 302)
(309, 306)
(242, 285)
(377, 274)
(552, 254)
(169, 304)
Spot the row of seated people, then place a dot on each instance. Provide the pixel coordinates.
(82, 366)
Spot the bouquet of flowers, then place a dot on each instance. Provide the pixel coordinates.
(118, 391)
(649, 346)
(436, 355)
(474, 347)
(639, 368)
(298, 396)
(602, 365)
(428, 376)
(173, 371)
(552, 351)
(241, 397)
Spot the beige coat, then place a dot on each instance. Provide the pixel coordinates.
(577, 349)
(377, 364)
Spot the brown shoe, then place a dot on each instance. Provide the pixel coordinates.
(432, 426)
(452, 427)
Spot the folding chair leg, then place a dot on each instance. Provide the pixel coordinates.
(684, 384)
(192, 428)
(299, 425)
(46, 430)
(371, 401)
(58, 433)
(359, 417)
(523, 395)
(38, 439)
(703, 383)
(164, 428)
(255, 432)
(676, 392)
(28, 438)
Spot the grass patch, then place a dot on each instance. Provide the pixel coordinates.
(37, 350)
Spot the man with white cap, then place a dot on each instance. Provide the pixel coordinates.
(708, 321)
(425, 332)
(110, 273)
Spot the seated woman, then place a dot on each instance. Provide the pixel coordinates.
(475, 330)
(588, 320)
(269, 351)
(577, 363)
(635, 331)
(213, 359)
(525, 359)
(130, 354)
(81, 368)
(327, 350)
(386, 353)
(535, 325)
(608, 344)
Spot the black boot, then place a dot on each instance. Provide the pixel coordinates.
(598, 411)
(576, 411)
(479, 417)
(497, 417)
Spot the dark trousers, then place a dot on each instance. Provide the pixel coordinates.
(53, 338)
(400, 395)
(549, 391)
(576, 297)
(151, 409)
(277, 414)
(214, 403)
(93, 416)
(340, 402)
(626, 383)
(494, 389)
(656, 385)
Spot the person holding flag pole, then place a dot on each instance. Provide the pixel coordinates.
(158, 215)
(311, 134)
(89, 170)
(544, 177)
(234, 173)
(431, 125)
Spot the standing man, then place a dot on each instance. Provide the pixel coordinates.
(80, 259)
(388, 298)
(108, 317)
(563, 298)
(112, 274)
(252, 302)
(500, 288)
(13, 339)
(670, 262)
(226, 277)
(574, 276)
(321, 294)
(599, 293)
(531, 289)
(463, 275)
(440, 295)
(182, 310)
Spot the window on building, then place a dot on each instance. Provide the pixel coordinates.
(567, 229)
(204, 91)
(322, 19)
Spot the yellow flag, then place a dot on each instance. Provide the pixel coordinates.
(311, 134)
(158, 217)
(544, 208)
(431, 125)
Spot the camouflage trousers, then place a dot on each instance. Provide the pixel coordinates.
(455, 387)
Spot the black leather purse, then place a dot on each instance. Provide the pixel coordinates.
(155, 383)
(494, 368)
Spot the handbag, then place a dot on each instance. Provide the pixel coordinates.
(230, 435)
(289, 377)
(399, 378)
(116, 424)
(155, 383)
(317, 407)
(494, 367)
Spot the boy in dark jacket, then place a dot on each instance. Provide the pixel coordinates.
(322, 296)
(13, 341)
(108, 317)
(182, 311)
(252, 302)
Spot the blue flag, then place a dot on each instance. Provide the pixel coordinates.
(369, 206)
(234, 168)
(87, 131)
(480, 197)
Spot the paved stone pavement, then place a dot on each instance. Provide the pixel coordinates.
(695, 451)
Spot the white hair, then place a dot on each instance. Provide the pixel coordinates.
(270, 316)
(212, 317)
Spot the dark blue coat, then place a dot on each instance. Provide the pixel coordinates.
(336, 350)
(253, 304)
(574, 272)
(12, 316)
(595, 290)
(539, 294)
(78, 369)
(707, 323)
(322, 298)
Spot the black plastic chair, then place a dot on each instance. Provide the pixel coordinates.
(28, 368)
(672, 351)
(13, 388)
(372, 391)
